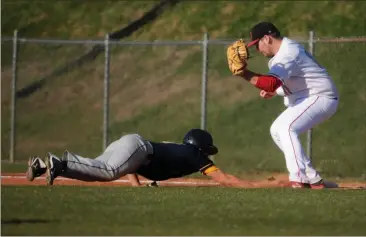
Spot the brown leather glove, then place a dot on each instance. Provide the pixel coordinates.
(237, 57)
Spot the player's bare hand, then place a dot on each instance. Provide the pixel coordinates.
(266, 94)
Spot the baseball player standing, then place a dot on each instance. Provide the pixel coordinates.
(309, 95)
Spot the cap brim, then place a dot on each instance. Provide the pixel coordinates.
(252, 42)
(212, 150)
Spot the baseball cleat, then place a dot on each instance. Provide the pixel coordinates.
(36, 167)
(296, 185)
(153, 184)
(318, 185)
(54, 167)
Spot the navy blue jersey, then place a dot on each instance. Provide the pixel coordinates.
(171, 160)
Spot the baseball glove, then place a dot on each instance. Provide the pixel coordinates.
(237, 57)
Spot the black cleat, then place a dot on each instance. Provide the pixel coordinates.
(54, 167)
(36, 167)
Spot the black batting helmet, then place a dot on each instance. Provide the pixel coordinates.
(202, 140)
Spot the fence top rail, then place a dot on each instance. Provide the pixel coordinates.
(172, 42)
(112, 42)
(341, 39)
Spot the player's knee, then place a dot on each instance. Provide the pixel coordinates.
(111, 174)
(112, 177)
(274, 130)
(130, 137)
(280, 131)
(293, 129)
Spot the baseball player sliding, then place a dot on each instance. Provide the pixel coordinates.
(309, 94)
(132, 155)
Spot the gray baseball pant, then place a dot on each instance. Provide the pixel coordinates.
(120, 158)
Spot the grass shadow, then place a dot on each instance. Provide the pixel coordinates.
(148, 17)
(16, 221)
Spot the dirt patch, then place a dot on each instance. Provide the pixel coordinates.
(276, 181)
(282, 179)
(228, 9)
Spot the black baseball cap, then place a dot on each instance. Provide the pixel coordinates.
(261, 29)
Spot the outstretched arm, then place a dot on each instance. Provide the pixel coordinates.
(229, 180)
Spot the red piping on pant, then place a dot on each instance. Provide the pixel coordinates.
(298, 173)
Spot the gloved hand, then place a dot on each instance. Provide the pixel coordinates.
(237, 57)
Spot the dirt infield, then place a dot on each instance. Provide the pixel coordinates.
(274, 181)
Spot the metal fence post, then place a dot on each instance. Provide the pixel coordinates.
(13, 97)
(310, 132)
(204, 81)
(106, 93)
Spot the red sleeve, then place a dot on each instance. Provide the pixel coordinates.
(268, 83)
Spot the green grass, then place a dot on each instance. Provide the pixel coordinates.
(13, 168)
(228, 18)
(66, 19)
(180, 211)
(155, 91)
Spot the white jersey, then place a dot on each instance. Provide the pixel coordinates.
(301, 75)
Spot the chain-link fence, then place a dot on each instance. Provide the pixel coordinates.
(81, 95)
(339, 144)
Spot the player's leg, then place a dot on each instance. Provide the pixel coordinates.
(317, 110)
(128, 154)
(322, 109)
(275, 127)
(36, 168)
(280, 133)
(120, 158)
(294, 121)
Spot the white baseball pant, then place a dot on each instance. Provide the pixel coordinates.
(298, 118)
